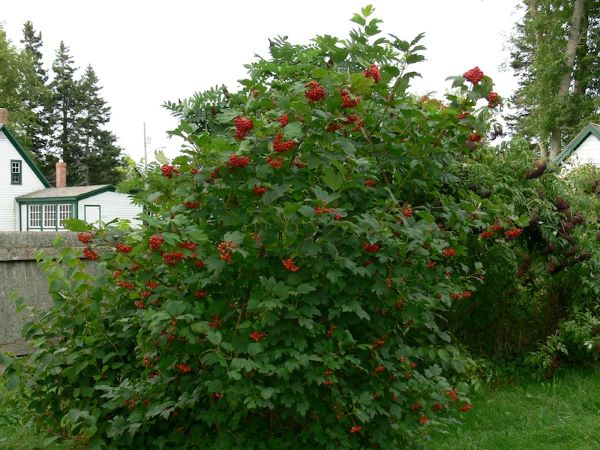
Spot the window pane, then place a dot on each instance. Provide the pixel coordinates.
(64, 213)
(15, 172)
(35, 216)
(49, 216)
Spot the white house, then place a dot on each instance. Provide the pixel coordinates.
(29, 203)
(583, 149)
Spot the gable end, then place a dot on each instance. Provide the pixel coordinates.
(590, 129)
(30, 162)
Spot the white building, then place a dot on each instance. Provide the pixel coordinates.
(583, 149)
(29, 203)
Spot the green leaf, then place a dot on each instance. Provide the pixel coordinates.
(214, 337)
(267, 393)
(77, 225)
(332, 179)
(292, 130)
(323, 195)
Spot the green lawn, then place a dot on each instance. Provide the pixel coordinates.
(563, 413)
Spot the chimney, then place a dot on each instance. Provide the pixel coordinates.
(61, 174)
(3, 116)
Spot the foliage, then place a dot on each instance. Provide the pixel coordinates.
(293, 281)
(538, 58)
(540, 280)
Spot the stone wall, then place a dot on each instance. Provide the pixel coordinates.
(20, 273)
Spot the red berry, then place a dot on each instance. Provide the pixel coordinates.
(315, 91)
(169, 170)
(156, 242)
(290, 265)
(86, 237)
(238, 161)
(260, 190)
(257, 336)
(276, 163)
(347, 101)
(474, 75)
(280, 146)
(283, 120)
(90, 254)
(123, 248)
(449, 252)
(373, 72)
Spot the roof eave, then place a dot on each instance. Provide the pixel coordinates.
(30, 162)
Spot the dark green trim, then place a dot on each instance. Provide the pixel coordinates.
(42, 203)
(21, 216)
(577, 141)
(73, 198)
(20, 161)
(94, 206)
(30, 162)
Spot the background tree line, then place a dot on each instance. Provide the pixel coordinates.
(554, 54)
(56, 113)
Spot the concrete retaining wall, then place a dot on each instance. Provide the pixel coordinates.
(19, 272)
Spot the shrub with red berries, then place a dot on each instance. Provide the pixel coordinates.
(307, 302)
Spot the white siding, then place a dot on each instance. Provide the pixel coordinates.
(587, 153)
(113, 205)
(9, 209)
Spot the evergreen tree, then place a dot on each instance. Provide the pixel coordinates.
(102, 157)
(64, 111)
(554, 54)
(36, 96)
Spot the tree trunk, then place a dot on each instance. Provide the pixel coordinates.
(567, 77)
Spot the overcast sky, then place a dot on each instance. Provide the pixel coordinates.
(147, 52)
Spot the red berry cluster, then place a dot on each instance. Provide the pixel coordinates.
(474, 137)
(184, 368)
(493, 99)
(260, 190)
(145, 294)
(200, 294)
(415, 406)
(225, 251)
(357, 121)
(243, 126)
(216, 322)
(347, 100)
(191, 205)
(424, 420)
(199, 264)
(514, 233)
(280, 146)
(466, 407)
(373, 72)
(334, 126)
(463, 294)
(486, 234)
(169, 170)
(139, 304)
(238, 161)
(172, 258)
(371, 248)
(407, 212)
(319, 210)
(290, 265)
(156, 242)
(315, 91)
(123, 248)
(283, 120)
(378, 343)
(152, 284)
(125, 284)
(86, 237)
(463, 115)
(275, 163)
(188, 245)
(449, 252)
(474, 75)
(257, 336)
(370, 182)
(90, 254)
(355, 429)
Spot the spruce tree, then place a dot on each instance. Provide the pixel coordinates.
(64, 111)
(36, 96)
(101, 155)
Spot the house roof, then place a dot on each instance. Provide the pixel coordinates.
(25, 155)
(73, 193)
(590, 129)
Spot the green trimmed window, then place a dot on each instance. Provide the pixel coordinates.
(48, 216)
(16, 175)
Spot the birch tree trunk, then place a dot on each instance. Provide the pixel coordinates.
(567, 77)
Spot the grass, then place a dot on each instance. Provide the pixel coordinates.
(563, 413)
